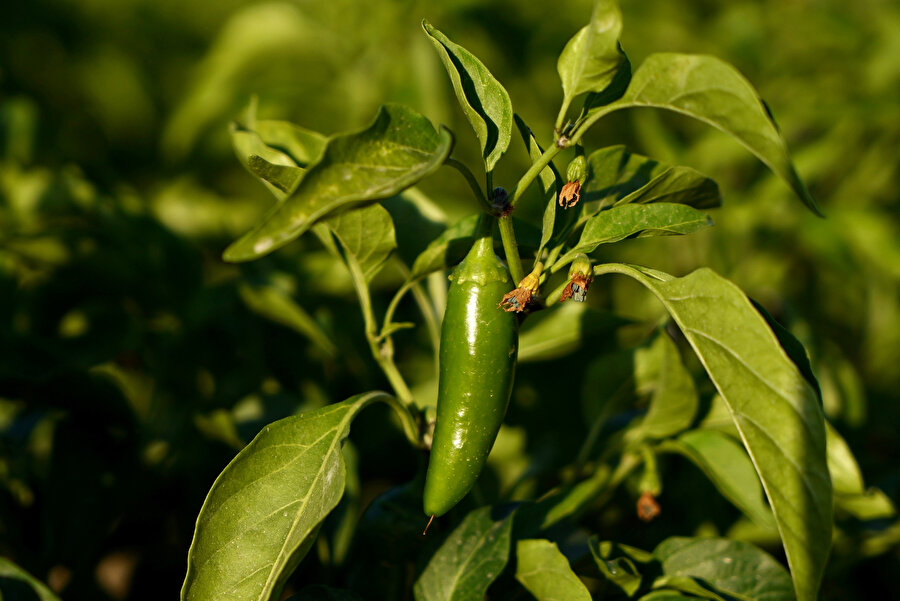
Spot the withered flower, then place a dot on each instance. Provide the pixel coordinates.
(570, 194)
(516, 300)
(647, 507)
(580, 278)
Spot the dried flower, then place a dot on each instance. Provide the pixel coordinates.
(570, 194)
(516, 300)
(647, 507)
(580, 278)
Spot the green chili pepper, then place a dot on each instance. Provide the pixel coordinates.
(479, 342)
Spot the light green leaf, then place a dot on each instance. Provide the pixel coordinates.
(775, 410)
(674, 401)
(483, 99)
(710, 90)
(468, 561)
(546, 573)
(263, 511)
(304, 146)
(447, 249)
(665, 595)
(398, 149)
(728, 467)
(850, 493)
(639, 220)
(550, 184)
(274, 304)
(367, 234)
(618, 176)
(617, 565)
(13, 578)
(274, 168)
(560, 331)
(591, 60)
(729, 567)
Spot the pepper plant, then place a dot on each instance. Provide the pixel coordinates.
(755, 427)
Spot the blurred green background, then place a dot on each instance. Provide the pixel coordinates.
(134, 363)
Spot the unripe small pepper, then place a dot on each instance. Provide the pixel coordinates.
(479, 342)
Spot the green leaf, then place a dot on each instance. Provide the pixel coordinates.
(591, 60)
(483, 99)
(263, 511)
(276, 305)
(775, 410)
(560, 331)
(665, 595)
(398, 149)
(729, 567)
(320, 592)
(674, 401)
(274, 168)
(639, 220)
(850, 493)
(468, 561)
(793, 347)
(617, 176)
(447, 249)
(550, 184)
(302, 145)
(616, 564)
(546, 573)
(16, 583)
(710, 90)
(281, 180)
(367, 234)
(728, 467)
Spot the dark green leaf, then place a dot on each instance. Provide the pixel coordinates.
(617, 565)
(710, 90)
(793, 347)
(320, 592)
(273, 303)
(777, 413)
(263, 511)
(483, 99)
(591, 60)
(674, 401)
(728, 567)
(546, 573)
(550, 184)
(728, 467)
(639, 220)
(469, 560)
(366, 234)
(447, 249)
(398, 149)
(16, 583)
(560, 331)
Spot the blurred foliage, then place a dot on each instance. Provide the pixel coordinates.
(133, 362)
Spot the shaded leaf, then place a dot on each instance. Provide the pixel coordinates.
(320, 592)
(550, 184)
(617, 565)
(546, 573)
(274, 304)
(276, 169)
(776, 412)
(850, 493)
(483, 99)
(729, 567)
(592, 58)
(302, 145)
(398, 149)
(560, 331)
(367, 234)
(16, 583)
(638, 220)
(793, 347)
(728, 467)
(468, 561)
(263, 511)
(710, 90)
(665, 595)
(447, 249)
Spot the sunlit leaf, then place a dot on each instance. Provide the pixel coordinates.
(546, 573)
(263, 511)
(469, 560)
(367, 234)
(775, 410)
(483, 99)
(850, 493)
(447, 249)
(398, 149)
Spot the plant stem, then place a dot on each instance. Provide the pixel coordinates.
(511, 248)
(533, 172)
(470, 179)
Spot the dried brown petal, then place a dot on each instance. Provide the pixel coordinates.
(516, 300)
(577, 288)
(570, 194)
(647, 507)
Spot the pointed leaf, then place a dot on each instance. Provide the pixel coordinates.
(276, 305)
(546, 573)
(469, 560)
(850, 493)
(263, 511)
(264, 162)
(775, 410)
(550, 184)
(16, 583)
(483, 99)
(728, 467)
(447, 249)
(616, 565)
(398, 149)
(729, 567)
(674, 400)
(710, 90)
(591, 60)
(618, 223)
(304, 146)
(367, 234)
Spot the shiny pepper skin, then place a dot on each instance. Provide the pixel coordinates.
(479, 342)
